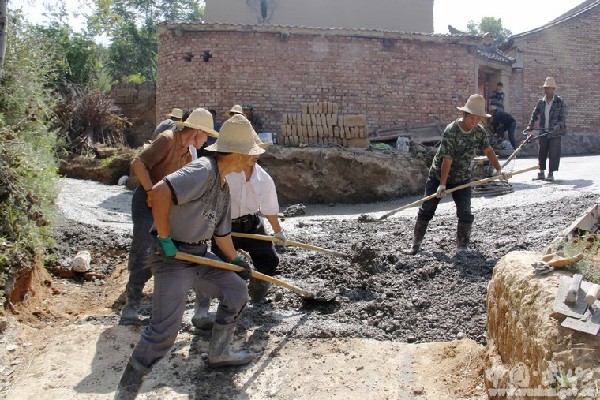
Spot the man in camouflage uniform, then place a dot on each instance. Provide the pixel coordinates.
(451, 167)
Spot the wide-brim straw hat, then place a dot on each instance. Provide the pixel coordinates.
(475, 105)
(260, 143)
(237, 136)
(176, 113)
(550, 82)
(237, 109)
(201, 119)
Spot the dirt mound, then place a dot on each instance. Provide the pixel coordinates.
(335, 175)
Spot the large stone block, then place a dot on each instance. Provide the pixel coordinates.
(528, 352)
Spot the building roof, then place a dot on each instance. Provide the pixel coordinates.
(573, 13)
(494, 54)
(179, 29)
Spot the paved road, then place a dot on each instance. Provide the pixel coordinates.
(109, 206)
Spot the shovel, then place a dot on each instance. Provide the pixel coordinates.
(268, 238)
(305, 294)
(466, 185)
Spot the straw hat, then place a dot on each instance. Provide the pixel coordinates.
(237, 109)
(260, 143)
(550, 82)
(176, 113)
(200, 119)
(475, 105)
(237, 136)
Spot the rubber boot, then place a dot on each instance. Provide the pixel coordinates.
(257, 290)
(133, 294)
(200, 319)
(463, 235)
(219, 349)
(131, 381)
(541, 176)
(418, 234)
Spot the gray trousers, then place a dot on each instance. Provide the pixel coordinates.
(172, 280)
(549, 150)
(142, 241)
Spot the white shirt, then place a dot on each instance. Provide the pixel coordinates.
(256, 194)
(547, 112)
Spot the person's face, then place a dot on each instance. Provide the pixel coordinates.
(549, 91)
(247, 112)
(499, 88)
(199, 138)
(470, 120)
(243, 161)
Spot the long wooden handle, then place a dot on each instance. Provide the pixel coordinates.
(268, 238)
(466, 185)
(180, 255)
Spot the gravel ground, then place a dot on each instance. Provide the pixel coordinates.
(380, 293)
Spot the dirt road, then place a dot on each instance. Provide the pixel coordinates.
(402, 327)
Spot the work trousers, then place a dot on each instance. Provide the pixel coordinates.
(142, 241)
(511, 133)
(263, 254)
(549, 149)
(462, 199)
(172, 280)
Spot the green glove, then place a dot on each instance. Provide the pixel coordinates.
(168, 246)
(241, 262)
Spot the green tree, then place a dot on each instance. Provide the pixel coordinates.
(132, 28)
(490, 25)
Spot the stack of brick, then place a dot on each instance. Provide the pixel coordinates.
(323, 124)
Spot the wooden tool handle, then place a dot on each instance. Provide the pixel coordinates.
(268, 238)
(564, 261)
(592, 295)
(180, 255)
(454, 189)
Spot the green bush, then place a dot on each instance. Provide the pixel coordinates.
(27, 165)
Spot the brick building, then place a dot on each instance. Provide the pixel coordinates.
(393, 78)
(567, 48)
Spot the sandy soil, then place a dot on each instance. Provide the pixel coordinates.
(402, 327)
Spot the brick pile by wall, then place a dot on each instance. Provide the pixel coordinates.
(322, 123)
(391, 78)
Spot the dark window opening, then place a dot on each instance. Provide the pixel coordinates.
(188, 57)
(206, 56)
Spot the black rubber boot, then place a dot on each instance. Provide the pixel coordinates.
(257, 290)
(463, 235)
(133, 294)
(131, 381)
(418, 234)
(219, 349)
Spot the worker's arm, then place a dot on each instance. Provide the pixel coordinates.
(446, 164)
(274, 221)
(491, 155)
(163, 202)
(142, 173)
(225, 244)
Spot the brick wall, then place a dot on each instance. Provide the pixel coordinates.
(392, 80)
(137, 103)
(568, 51)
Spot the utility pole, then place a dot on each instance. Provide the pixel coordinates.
(3, 32)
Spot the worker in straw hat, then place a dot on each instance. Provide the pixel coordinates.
(190, 206)
(253, 195)
(165, 155)
(451, 167)
(236, 109)
(551, 110)
(175, 115)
